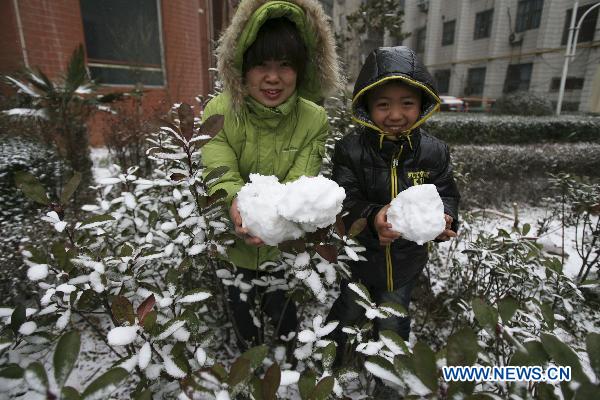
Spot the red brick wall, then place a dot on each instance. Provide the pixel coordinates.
(11, 58)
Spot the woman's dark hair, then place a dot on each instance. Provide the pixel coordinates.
(277, 39)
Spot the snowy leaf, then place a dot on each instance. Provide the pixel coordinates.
(96, 221)
(103, 386)
(394, 309)
(216, 173)
(563, 355)
(122, 310)
(65, 356)
(361, 290)
(394, 342)
(144, 308)
(485, 314)
(255, 355)
(382, 368)
(323, 389)
(351, 253)
(27, 328)
(170, 328)
(212, 125)
(144, 356)
(307, 336)
(507, 307)
(32, 188)
(327, 329)
(425, 366)
(37, 272)
(194, 296)
(36, 378)
(122, 335)
(172, 368)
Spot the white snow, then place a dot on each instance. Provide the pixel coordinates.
(170, 330)
(417, 213)
(313, 202)
(257, 204)
(307, 336)
(64, 319)
(172, 368)
(201, 356)
(144, 356)
(122, 335)
(289, 377)
(27, 328)
(195, 297)
(381, 372)
(37, 272)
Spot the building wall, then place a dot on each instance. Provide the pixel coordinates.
(542, 46)
(52, 30)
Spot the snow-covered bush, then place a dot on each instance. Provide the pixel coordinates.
(523, 103)
(471, 128)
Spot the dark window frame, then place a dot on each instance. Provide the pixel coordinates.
(475, 81)
(588, 26)
(442, 80)
(571, 83)
(529, 15)
(448, 32)
(420, 38)
(124, 54)
(514, 83)
(483, 24)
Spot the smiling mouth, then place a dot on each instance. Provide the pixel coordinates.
(272, 93)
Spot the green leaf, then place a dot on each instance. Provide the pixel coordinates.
(307, 383)
(65, 356)
(534, 355)
(592, 344)
(144, 395)
(126, 250)
(462, 348)
(526, 229)
(17, 318)
(587, 391)
(36, 377)
(425, 366)
(70, 393)
(70, 188)
(328, 356)
(271, 382)
(545, 391)
(105, 384)
(97, 219)
(180, 357)
(12, 371)
(382, 368)
(61, 256)
(31, 187)
(357, 227)
(122, 310)
(360, 290)
(323, 389)
(89, 300)
(219, 372)
(507, 307)
(150, 321)
(216, 173)
(255, 355)
(548, 314)
(563, 355)
(239, 372)
(485, 314)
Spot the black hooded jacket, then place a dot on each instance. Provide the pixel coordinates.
(366, 164)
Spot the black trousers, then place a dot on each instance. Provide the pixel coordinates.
(274, 304)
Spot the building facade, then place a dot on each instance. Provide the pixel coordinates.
(166, 46)
(486, 48)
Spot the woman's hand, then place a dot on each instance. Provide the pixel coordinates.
(240, 231)
(384, 228)
(448, 233)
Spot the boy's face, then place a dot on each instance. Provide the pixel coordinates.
(394, 107)
(272, 82)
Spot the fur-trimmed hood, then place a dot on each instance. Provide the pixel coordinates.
(322, 74)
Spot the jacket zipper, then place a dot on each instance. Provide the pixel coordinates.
(394, 193)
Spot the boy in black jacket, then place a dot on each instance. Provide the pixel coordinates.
(388, 152)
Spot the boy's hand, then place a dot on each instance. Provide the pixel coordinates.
(384, 228)
(448, 233)
(240, 231)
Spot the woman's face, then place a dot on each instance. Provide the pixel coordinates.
(272, 82)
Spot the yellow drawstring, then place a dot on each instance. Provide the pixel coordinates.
(394, 193)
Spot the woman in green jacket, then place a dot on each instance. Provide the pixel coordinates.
(276, 59)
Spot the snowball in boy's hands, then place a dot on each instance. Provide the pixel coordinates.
(417, 213)
(257, 204)
(313, 202)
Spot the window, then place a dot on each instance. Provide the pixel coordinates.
(483, 24)
(588, 25)
(442, 80)
(448, 33)
(518, 77)
(420, 40)
(122, 39)
(475, 81)
(529, 13)
(572, 83)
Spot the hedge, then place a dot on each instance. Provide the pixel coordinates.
(468, 128)
(496, 174)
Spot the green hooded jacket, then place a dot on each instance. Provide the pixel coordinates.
(287, 141)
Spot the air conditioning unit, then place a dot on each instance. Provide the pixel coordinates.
(423, 5)
(515, 38)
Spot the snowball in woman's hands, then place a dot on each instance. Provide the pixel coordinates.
(257, 204)
(313, 202)
(418, 214)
